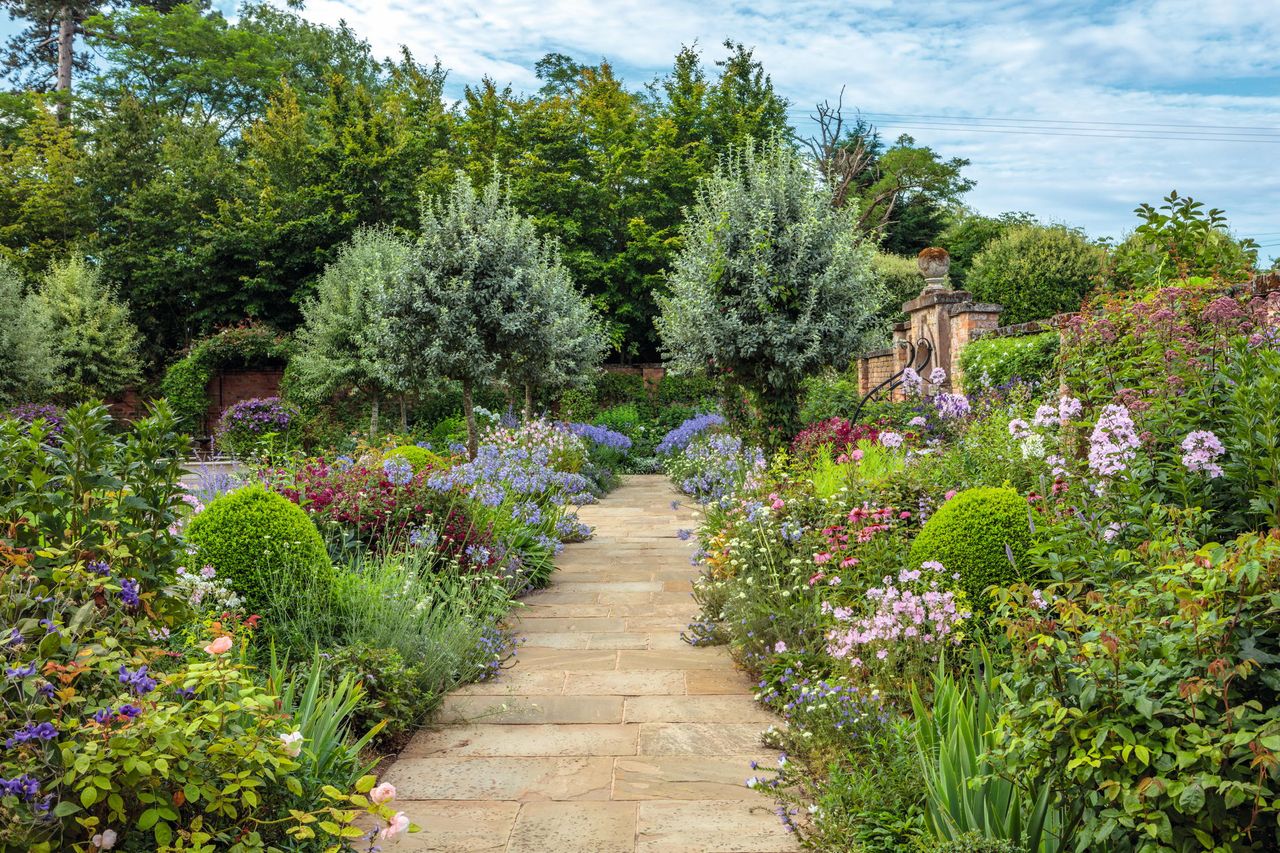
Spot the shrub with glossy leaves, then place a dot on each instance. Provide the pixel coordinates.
(247, 533)
(973, 535)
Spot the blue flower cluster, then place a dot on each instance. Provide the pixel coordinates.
(24, 787)
(398, 471)
(602, 436)
(499, 471)
(138, 680)
(34, 731)
(680, 437)
(715, 467)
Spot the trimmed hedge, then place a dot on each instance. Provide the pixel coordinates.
(418, 457)
(245, 533)
(993, 361)
(973, 535)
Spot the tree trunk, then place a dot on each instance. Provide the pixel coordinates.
(66, 57)
(373, 422)
(404, 415)
(528, 401)
(473, 437)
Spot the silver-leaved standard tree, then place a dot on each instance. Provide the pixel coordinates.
(772, 284)
(462, 306)
(565, 342)
(340, 346)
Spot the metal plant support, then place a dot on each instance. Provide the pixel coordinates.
(921, 351)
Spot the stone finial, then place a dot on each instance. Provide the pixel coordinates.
(934, 263)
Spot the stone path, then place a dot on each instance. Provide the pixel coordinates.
(610, 734)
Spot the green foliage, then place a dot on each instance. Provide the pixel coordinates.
(1151, 704)
(772, 283)
(974, 843)
(992, 361)
(44, 207)
(982, 534)
(419, 457)
(1179, 240)
(901, 282)
(30, 365)
(1035, 272)
(186, 383)
(337, 347)
(94, 341)
(829, 394)
(461, 308)
(968, 233)
(964, 797)
(102, 491)
(250, 532)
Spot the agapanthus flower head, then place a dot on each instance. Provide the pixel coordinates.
(129, 592)
(398, 471)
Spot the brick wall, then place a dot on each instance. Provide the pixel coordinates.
(229, 387)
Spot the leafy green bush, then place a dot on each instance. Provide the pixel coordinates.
(1151, 704)
(1035, 272)
(418, 457)
(30, 363)
(974, 535)
(1178, 240)
(901, 281)
(613, 388)
(991, 361)
(967, 804)
(972, 842)
(241, 530)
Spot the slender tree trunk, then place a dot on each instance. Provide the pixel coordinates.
(66, 57)
(528, 401)
(373, 422)
(404, 415)
(473, 437)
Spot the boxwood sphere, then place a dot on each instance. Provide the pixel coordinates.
(244, 533)
(417, 457)
(968, 535)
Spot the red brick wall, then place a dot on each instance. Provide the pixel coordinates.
(229, 387)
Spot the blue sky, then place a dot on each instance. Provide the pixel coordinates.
(1044, 96)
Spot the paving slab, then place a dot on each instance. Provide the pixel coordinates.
(606, 733)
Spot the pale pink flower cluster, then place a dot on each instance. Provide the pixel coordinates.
(1068, 408)
(937, 376)
(1046, 416)
(901, 615)
(1019, 429)
(1114, 442)
(1201, 451)
(891, 439)
(911, 381)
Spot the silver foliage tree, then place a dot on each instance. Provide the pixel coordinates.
(462, 309)
(340, 345)
(772, 283)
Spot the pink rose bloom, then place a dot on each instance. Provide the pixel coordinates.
(856, 455)
(397, 825)
(383, 793)
(949, 495)
(220, 646)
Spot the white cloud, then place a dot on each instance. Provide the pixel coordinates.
(1178, 62)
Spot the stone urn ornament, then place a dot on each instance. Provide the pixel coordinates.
(934, 263)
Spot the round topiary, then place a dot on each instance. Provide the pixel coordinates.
(249, 532)
(973, 535)
(417, 457)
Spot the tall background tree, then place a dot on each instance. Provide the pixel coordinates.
(772, 284)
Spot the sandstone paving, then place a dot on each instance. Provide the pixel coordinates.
(607, 732)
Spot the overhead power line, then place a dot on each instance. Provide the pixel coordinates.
(1072, 128)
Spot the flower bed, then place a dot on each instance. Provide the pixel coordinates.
(1080, 665)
